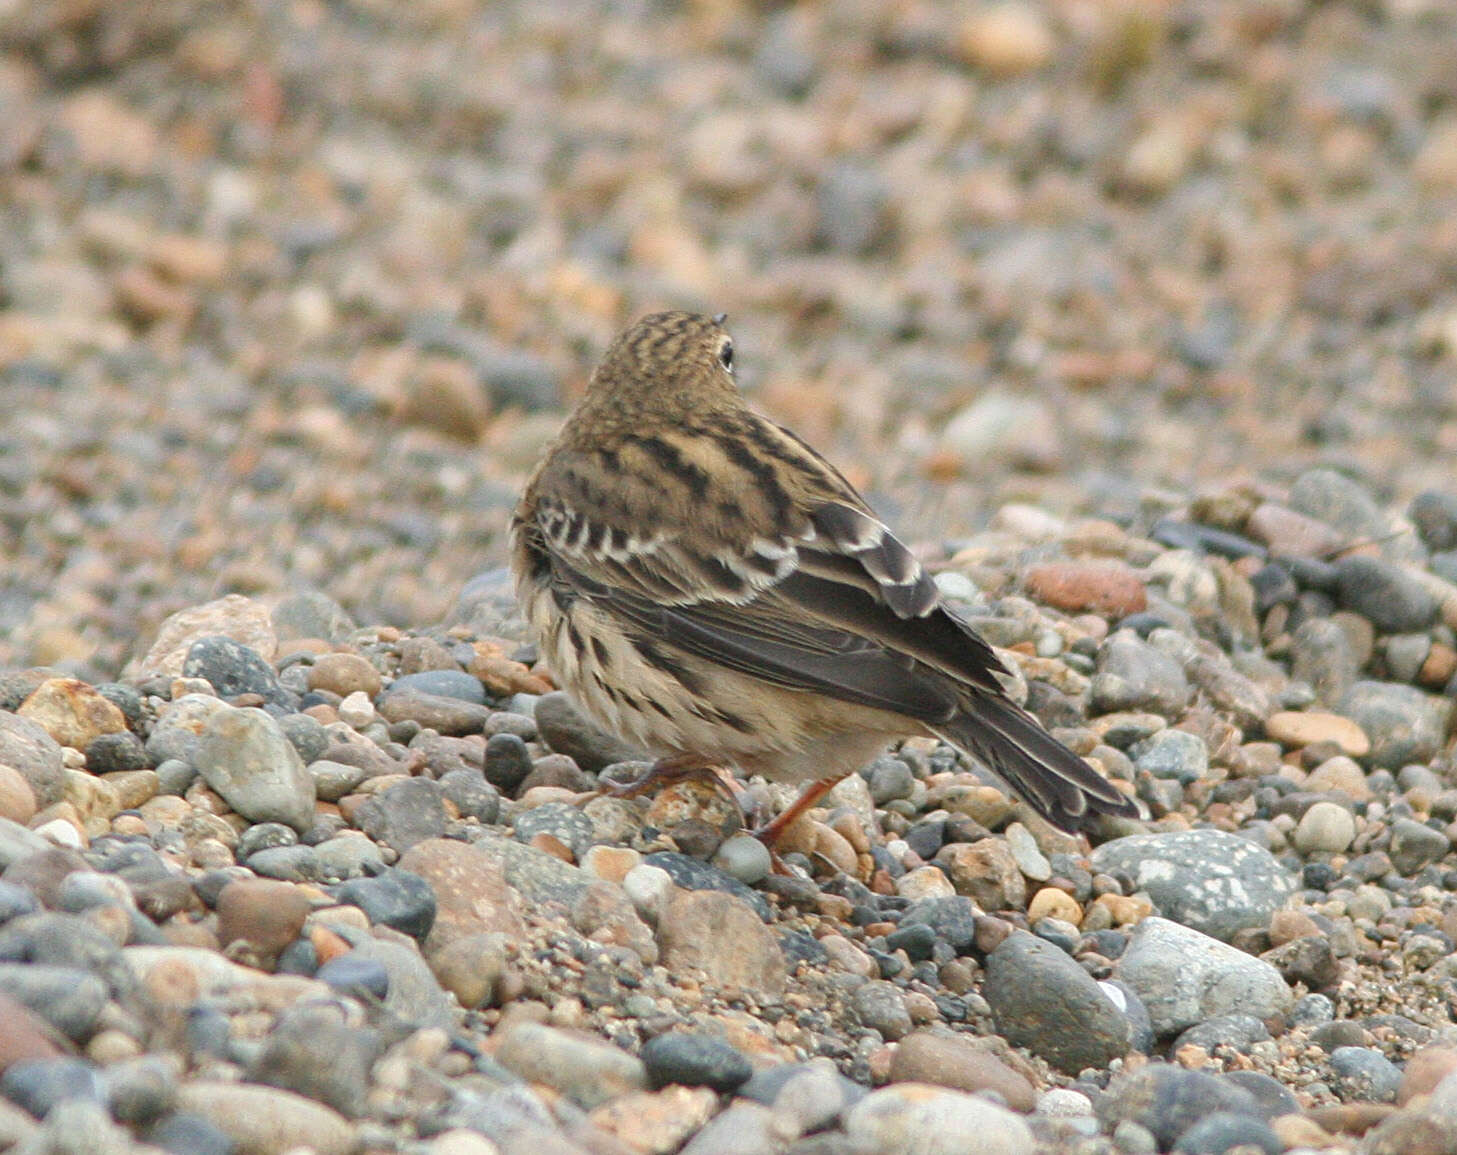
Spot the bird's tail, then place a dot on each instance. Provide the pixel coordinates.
(1055, 782)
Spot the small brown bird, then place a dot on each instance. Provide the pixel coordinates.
(709, 587)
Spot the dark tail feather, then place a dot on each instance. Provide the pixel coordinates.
(1054, 781)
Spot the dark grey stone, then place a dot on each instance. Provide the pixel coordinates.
(394, 898)
(1364, 1075)
(1384, 594)
(232, 668)
(404, 814)
(1043, 1000)
(508, 762)
(694, 1061)
(70, 999)
(1169, 1100)
(441, 684)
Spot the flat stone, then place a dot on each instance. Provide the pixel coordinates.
(1300, 728)
(962, 1063)
(917, 1119)
(262, 1120)
(585, 1070)
(722, 939)
(1184, 977)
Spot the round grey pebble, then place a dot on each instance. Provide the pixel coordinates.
(1185, 977)
(508, 762)
(953, 919)
(1234, 1030)
(352, 974)
(1169, 1100)
(313, 1052)
(285, 863)
(566, 730)
(1172, 754)
(889, 779)
(472, 796)
(108, 753)
(174, 776)
(1212, 881)
(69, 998)
(140, 1091)
(879, 1007)
(306, 734)
(1414, 844)
(1435, 515)
(346, 857)
(695, 1061)
(404, 814)
(38, 1085)
(1404, 724)
(186, 1134)
(244, 756)
(744, 857)
(1364, 1075)
(1312, 1010)
(264, 836)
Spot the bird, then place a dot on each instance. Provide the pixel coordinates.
(707, 586)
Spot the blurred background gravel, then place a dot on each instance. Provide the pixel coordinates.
(291, 294)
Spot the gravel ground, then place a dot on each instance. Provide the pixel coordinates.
(1139, 317)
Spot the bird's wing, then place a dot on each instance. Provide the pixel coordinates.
(813, 593)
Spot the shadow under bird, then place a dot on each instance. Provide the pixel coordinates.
(708, 586)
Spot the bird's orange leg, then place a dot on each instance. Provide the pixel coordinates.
(770, 833)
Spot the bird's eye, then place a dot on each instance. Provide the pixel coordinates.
(726, 355)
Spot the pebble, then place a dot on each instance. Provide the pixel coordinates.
(1042, 999)
(1361, 1074)
(694, 1061)
(232, 668)
(586, 1071)
(260, 1118)
(1134, 675)
(917, 1119)
(1392, 600)
(1326, 827)
(962, 1064)
(1209, 880)
(1307, 728)
(1404, 724)
(245, 757)
(721, 937)
(266, 915)
(1184, 977)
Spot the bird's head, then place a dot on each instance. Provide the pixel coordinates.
(666, 365)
